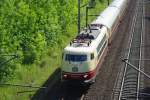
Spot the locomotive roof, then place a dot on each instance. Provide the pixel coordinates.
(85, 38)
(86, 43)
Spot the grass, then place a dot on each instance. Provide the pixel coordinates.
(37, 74)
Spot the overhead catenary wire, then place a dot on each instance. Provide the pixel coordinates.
(134, 67)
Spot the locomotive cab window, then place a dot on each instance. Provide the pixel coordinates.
(75, 58)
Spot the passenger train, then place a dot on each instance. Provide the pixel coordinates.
(83, 56)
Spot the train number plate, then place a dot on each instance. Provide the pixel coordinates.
(74, 69)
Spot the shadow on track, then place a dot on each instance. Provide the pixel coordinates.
(59, 91)
(147, 18)
(41, 93)
(145, 94)
(74, 92)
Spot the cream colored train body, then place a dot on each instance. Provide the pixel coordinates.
(83, 57)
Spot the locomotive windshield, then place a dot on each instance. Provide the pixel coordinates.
(75, 58)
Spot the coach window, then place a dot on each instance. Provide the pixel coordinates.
(101, 43)
(92, 56)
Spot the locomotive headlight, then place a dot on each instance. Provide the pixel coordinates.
(65, 76)
(85, 76)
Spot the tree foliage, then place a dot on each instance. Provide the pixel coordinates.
(28, 27)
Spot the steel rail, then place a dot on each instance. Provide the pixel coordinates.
(142, 32)
(130, 45)
(139, 74)
(82, 97)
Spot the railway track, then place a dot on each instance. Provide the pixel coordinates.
(131, 82)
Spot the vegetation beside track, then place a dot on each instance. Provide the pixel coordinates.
(33, 34)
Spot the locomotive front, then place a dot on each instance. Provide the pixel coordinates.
(78, 64)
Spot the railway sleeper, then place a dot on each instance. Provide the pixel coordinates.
(130, 84)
